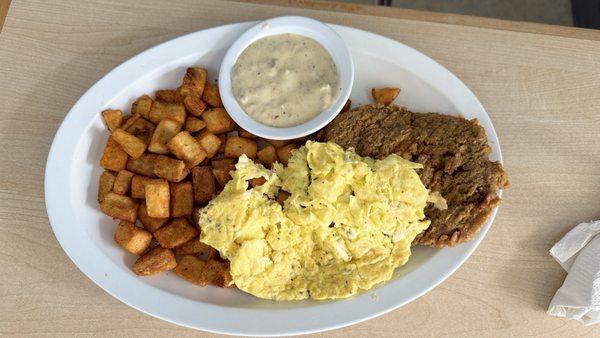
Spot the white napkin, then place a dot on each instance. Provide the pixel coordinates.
(579, 254)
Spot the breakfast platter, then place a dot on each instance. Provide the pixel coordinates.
(205, 125)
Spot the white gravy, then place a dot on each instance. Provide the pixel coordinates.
(285, 80)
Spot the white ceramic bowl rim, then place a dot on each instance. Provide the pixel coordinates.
(311, 28)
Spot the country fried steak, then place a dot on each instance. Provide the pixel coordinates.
(455, 156)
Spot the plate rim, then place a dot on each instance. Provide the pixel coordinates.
(55, 167)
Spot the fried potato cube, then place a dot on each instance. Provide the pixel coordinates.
(194, 105)
(203, 183)
(236, 146)
(105, 184)
(385, 95)
(267, 156)
(144, 165)
(185, 147)
(170, 169)
(114, 157)
(218, 121)
(122, 182)
(141, 129)
(284, 153)
(175, 233)
(278, 143)
(142, 106)
(222, 174)
(246, 134)
(113, 118)
(182, 199)
(209, 142)
(193, 82)
(129, 121)
(194, 246)
(223, 162)
(157, 198)
(194, 124)
(154, 262)
(211, 95)
(119, 206)
(168, 95)
(282, 196)
(223, 138)
(138, 186)
(202, 272)
(347, 105)
(133, 239)
(196, 217)
(163, 133)
(132, 145)
(163, 110)
(150, 223)
(257, 181)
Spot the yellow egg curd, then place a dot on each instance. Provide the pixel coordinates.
(347, 225)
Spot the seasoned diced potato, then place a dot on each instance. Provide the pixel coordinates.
(157, 198)
(170, 169)
(132, 145)
(133, 239)
(113, 118)
(163, 110)
(203, 184)
(267, 156)
(182, 199)
(144, 165)
(107, 181)
(114, 157)
(194, 124)
(193, 82)
(186, 148)
(347, 106)
(194, 246)
(278, 143)
(223, 139)
(168, 95)
(142, 106)
(385, 95)
(150, 223)
(141, 129)
(244, 133)
(320, 135)
(154, 262)
(175, 233)
(129, 121)
(119, 206)
(223, 162)
(202, 272)
(164, 132)
(218, 121)
(257, 181)
(282, 196)
(211, 95)
(209, 142)
(122, 182)
(236, 146)
(222, 174)
(138, 186)
(194, 105)
(284, 153)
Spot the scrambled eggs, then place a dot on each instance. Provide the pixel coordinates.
(348, 223)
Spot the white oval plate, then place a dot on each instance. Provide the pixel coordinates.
(86, 235)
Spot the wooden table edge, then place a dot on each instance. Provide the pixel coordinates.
(4, 4)
(445, 18)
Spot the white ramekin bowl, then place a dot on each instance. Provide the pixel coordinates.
(314, 29)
